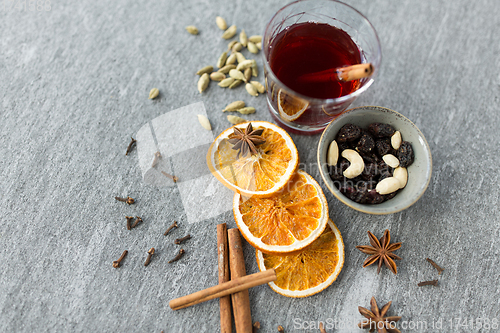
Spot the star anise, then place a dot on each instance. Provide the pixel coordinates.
(381, 251)
(246, 141)
(377, 319)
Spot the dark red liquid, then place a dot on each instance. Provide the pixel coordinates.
(307, 48)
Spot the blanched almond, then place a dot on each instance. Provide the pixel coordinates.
(388, 185)
(391, 160)
(333, 153)
(396, 140)
(401, 174)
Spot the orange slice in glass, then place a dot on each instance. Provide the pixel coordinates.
(291, 107)
(287, 221)
(261, 174)
(307, 272)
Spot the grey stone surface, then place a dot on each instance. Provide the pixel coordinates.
(74, 82)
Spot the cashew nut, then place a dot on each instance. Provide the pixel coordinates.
(388, 185)
(401, 174)
(396, 140)
(391, 160)
(357, 165)
(333, 153)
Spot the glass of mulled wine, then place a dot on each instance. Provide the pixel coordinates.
(313, 53)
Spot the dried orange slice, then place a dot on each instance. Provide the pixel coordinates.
(309, 271)
(260, 174)
(291, 107)
(287, 221)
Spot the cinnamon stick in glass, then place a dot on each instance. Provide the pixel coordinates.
(349, 73)
(355, 72)
(223, 262)
(241, 300)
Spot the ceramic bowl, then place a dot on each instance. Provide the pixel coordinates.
(419, 173)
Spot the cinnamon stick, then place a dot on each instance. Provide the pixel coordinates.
(224, 289)
(349, 73)
(355, 72)
(223, 263)
(241, 300)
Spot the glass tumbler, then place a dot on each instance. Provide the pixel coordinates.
(295, 110)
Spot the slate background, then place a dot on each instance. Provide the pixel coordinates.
(74, 82)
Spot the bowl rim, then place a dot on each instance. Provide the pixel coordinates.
(363, 207)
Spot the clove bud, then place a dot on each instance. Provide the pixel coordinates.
(174, 225)
(436, 266)
(129, 148)
(180, 240)
(150, 254)
(156, 158)
(116, 263)
(178, 256)
(174, 178)
(129, 222)
(127, 200)
(136, 222)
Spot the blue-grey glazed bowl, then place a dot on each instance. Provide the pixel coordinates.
(419, 173)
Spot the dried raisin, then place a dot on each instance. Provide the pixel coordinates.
(384, 170)
(384, 175)
(405, 154)
(382, 166)
(366, 185)
(365, 143)
(349, 132)
(374, 197)
(361, 196)
(344, 164)
(337, 171)
(370, 158)
(380, 130)
(390, 195)
(383, 146)
(345, 145)
(347, 189)
(367, 158)
(370, 171)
